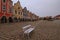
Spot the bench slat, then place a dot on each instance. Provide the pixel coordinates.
(29, 30)
(26, 27)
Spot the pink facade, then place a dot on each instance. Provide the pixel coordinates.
(6, 8)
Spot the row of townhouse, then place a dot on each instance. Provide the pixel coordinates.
(22, 13)
(57, 17)
(10, 12)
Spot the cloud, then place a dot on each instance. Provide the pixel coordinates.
(42, 7)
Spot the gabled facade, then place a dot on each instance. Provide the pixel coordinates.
(18, 14)
(25, 13)
(29, 15)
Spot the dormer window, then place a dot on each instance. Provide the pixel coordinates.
(4, 1)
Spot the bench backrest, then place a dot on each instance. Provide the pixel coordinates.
(26, 27)
(28, 30)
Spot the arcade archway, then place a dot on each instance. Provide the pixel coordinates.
(15, 19)
(3, 19)
(10, 19)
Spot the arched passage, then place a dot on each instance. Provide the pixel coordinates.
(4, 19)
(10, 19)
(15, 19)
(19, 19)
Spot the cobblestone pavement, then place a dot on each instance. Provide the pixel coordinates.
(44, 30)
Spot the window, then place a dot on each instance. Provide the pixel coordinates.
(15, 12)
(18, 7)
(25, 14)
(18, 12)
(4, 1)
(4, 8)
(10, 2)
(21, 13)
(10, 10)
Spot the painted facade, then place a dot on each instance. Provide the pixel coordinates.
(25, 13)
(17, 10)
(6, 9)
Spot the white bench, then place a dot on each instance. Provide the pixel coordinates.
(27, 30)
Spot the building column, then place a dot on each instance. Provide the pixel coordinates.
(0, 20)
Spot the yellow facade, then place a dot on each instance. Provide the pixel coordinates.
(18, 10)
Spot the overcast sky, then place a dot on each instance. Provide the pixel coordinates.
(41, 7)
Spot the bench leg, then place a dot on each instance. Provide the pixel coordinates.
(28, 36)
